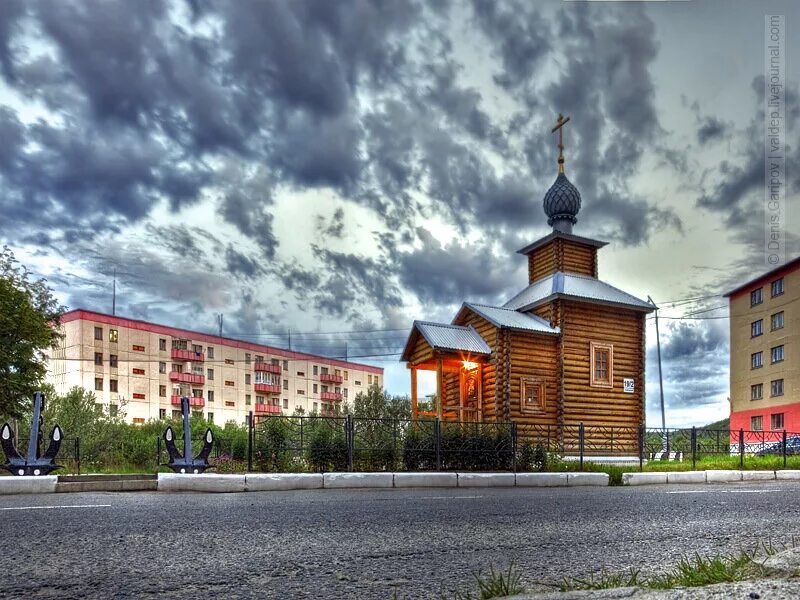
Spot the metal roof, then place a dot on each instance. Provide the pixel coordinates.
(580, 287)
(566, 236)
(507, 317)
(441, 336)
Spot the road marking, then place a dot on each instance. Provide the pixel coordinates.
(449, 497)
(57, 506)
(723, 491)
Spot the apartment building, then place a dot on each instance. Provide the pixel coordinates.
(765, 351)
(147, 367)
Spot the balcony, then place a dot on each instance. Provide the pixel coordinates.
(334, 396)
(193, 401)
(268, 408)
(268, 388)
(330, 378)
(187, 378)
(178, 354)
(328, 413)
(265, 367)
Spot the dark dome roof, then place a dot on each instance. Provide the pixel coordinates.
(562, 201)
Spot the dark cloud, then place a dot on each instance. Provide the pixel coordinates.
(239, 264)
(10, 11)
(711, 129)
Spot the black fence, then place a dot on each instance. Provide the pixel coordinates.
(344, 443)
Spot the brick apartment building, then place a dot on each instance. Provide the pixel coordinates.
(765, 351)
(148, 367)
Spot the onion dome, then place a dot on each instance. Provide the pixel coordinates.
(561, 204)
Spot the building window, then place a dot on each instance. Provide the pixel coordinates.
(230, 383)
(162, 413)
(176, 414)
(112, 410)
(197, 349)
(210, 374)
(138, 348)
(247, 398)
(344, 392)
(286, 384)
(210, 417)
(756, 296)
(210, 351)
(315, 407)
(285, 403)
(777, 289)
(777, 354)
(180, 344)
(98, 384)
(357, 382)
(138, 396)
(162, 391)
(247, 378)
(286, 365)
(533, 395)
(315, 388)
(345, 375)
(777, 321)
(230, 403)
(210, 395)
(301, 373)
(162, 367)
(98, 358)
(301, 392)
(138, 371)
(369, 379)
(113, 360)
(259, 399)
(375, 380)
(776, 387)
(275, 361)
(229, 361)
(776, 421)
(756, 328)
(757, 391)
(755, 423)
(259, 358)
(247, 358)
(98, 333)
(756, 360)
(601, 367)
(316, 370)
(162, 344)
(113, 385)
(113, 336)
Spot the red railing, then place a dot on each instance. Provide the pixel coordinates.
(269, 388)
(267, 367)
(178, 354)
(268, 408)
(330, 378)
(335, 396)
(187, 378)
(193, 401)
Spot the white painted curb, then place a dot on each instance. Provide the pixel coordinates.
(204, 482)
(644, 478)
(486, 480)
(758, 475)
(541, 479)
(686, 477)
(587, 479)
(427, 480)
(787, 475)
(358, 480)
(723, 476)
(28, 484)
(268, 482)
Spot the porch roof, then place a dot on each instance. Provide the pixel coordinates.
(442, 336)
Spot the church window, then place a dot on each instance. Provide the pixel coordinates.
(602, 357)
(533, 395)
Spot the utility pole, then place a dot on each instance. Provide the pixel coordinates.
(114, 294)
(660, 377)
(219, 320)
(290, 338)
(345, 351)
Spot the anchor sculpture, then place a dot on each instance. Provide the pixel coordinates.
(184, 463)
(34, 463)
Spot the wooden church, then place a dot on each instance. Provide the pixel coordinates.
(567, 349)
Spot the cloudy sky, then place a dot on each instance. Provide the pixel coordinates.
(350, 166)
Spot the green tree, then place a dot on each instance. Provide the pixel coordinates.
(29, 321)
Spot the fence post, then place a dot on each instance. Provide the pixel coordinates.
(514, 447)
(437, 443)
(741, 448)
(350, 438)
(641, 447)
(784, 448)
(580, 443)
(666, 433)
(694, 448)
(78, 454)
(158, 452)
(250, 432)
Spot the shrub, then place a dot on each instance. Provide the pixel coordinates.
(327, 448)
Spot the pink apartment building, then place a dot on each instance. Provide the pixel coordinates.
(147, 367)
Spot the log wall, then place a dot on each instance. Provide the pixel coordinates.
(488, 369)
(562, 255)
(533, 355)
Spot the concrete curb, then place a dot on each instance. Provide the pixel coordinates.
(425, 480)
(787, 475)
(204, 482)
(599, 479)
(541, 480)
(686, 477)
(28, 484)
(357, 480)
(644, 478)
(486, 480)
(268, 482)
(758, 475)
(107, 483)
(723, 476)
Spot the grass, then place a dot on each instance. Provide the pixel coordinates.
(497, 584)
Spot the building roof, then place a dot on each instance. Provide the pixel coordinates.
(561, 235)
(510, 318)
(442, 336)
(578, 287)
(761, 279)
(97, 317)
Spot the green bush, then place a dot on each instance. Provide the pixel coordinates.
(419, 453)
(327, 448)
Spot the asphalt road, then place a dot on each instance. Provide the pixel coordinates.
(367, 544)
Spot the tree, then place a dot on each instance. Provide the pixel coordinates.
(30, 318)
(375, 403)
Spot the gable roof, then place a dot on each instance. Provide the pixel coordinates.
(442, 336)
(564, 236)
(507, 317)
(578, 287)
